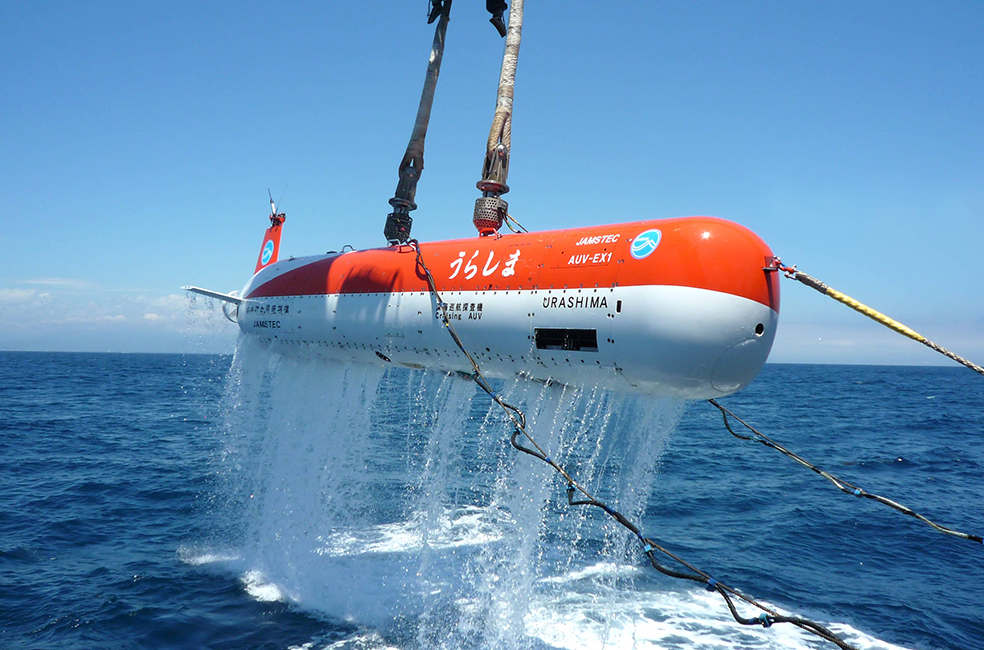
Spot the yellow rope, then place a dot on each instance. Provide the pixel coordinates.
(873, 314)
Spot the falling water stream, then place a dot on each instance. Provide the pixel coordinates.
(391, 499)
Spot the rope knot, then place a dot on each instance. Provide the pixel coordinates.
(765, 620)
(711, 584)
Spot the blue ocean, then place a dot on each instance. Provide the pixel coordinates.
(287, 502)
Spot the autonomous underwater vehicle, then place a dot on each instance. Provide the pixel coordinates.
(685, 307)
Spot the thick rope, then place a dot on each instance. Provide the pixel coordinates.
(399, 223)
(495, 163)
(415, 148)
(649, 547)
(501, 131)
(840, 484)
(873, 314)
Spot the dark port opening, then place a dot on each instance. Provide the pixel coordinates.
(566, 339)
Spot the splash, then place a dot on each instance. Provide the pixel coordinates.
(392, 499)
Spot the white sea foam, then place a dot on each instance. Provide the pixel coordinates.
(196, 557)
(469, 526)
(393, 500)
(362, 641)
(591, 617)
(260, 588)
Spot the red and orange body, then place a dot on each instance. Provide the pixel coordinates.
(676, 306)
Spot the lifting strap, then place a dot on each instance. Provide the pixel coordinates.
(490, 209)
(398, 222)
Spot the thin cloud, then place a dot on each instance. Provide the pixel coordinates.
(64, 283)
(79, 285)
(63, 315)
(17, 295)
(94, 319)
(172, 301)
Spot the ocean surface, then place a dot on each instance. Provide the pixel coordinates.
(255, 501)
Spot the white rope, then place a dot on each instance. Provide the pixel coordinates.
(501, 130)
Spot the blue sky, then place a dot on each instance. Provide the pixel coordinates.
(139, 141)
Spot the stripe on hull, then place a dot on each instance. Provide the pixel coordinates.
(680, 341)
(698, 252)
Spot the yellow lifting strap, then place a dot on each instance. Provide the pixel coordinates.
(873, 314)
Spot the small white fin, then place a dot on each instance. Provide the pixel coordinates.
(236, 300)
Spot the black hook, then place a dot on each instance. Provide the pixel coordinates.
(497, 8)
(439, 8)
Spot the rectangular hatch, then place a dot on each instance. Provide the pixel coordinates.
(550, 338)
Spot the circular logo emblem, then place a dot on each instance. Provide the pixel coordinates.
(268, 252)
(645, 243)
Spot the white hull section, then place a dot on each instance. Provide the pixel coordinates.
(663, 340)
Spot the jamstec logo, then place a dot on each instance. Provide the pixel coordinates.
(267, 252)
(645, 243)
